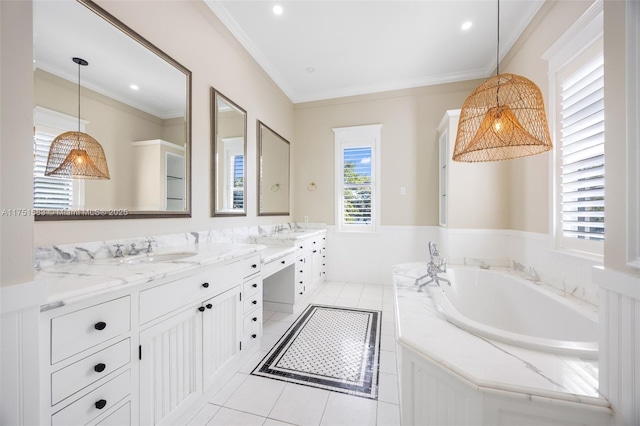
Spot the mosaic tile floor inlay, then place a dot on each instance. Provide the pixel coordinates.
(332, 348)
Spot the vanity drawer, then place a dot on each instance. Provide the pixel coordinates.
(252, 321)
(271, 268)
(251, 266)
(251, 287)
(251, 303)
(75, 377)
(87, 408)
(83, 329)
(160, 300)
(120, 417)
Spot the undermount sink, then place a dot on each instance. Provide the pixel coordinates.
(160, 257)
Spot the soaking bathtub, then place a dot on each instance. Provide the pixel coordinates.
(503, 307)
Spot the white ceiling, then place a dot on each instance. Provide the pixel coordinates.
(366, 46)
(66, 29)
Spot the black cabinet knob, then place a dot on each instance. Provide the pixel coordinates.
(101, 404)
(301, 246)
(300, 282)
(254, 319)
(254, 266)
(100, 325)
(209, 306)
(99, 368)
(315, 251)
(205, 285)
(301, 271)
(253, 336)
(283, 262)
(201, 308)
(254, 285)
(300, 293)
(254, 302)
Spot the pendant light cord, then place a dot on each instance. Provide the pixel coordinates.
(79, 66)
(498, 48)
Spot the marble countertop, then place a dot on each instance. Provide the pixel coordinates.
(273, 253)
(288, 237)
(72, 282)
(483, 362)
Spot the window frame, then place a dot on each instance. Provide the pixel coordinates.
(586, 32)
(351, 137)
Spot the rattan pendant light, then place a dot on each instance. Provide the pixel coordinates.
(76, 154)
(503, 118)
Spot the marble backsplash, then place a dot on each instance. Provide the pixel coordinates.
(86, 252)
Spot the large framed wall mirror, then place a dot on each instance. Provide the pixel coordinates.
(131, 97)
(229, 148)
(273, 173)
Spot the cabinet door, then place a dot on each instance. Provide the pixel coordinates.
(222, 322)
(316, 266)
(170, 366)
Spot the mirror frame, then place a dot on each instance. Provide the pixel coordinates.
(83, 215)
(214, 154)
(260, 127)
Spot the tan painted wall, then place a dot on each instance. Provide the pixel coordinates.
(409, 152)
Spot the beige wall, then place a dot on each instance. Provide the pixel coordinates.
(409, 150)
(16, 125)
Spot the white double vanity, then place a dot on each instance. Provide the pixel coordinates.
(140, 339)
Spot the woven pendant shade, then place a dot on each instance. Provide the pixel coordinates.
(77, 155)
(503, 118)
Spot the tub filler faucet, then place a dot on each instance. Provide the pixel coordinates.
(433, 268)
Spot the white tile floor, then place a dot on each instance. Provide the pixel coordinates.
(252, 400)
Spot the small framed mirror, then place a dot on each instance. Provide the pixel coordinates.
(229, 150)
(273, 173)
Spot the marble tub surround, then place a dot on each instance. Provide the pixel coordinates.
(483, 363)
(72, 282)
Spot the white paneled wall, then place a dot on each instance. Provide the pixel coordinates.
(620, 343)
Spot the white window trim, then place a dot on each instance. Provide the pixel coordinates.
(58, 123)
(586, 31)
(367, 135)
(633, 134)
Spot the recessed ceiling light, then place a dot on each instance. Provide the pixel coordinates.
(310, 69)
(134, 87)
(277, 9)
(465, 26)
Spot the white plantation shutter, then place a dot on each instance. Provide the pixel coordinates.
(48, 192)
(582, 152)
(356, 186)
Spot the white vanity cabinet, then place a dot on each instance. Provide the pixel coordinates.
(146, 354)
(285, 286)
(85, 361)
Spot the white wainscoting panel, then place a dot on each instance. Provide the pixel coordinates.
(620, 343)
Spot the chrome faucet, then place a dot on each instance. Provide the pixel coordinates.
(118, 252)
(134, 250)
(433, 268)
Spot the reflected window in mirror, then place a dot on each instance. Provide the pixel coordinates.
(229, 148)
(143, 124)
(273, 173)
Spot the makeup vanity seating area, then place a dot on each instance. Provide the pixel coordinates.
(140, 339)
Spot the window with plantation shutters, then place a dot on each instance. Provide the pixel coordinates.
(48, 192)
(582, 145)
(357, 171)
(576, 105)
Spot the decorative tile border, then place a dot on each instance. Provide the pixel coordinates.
(331, 348)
